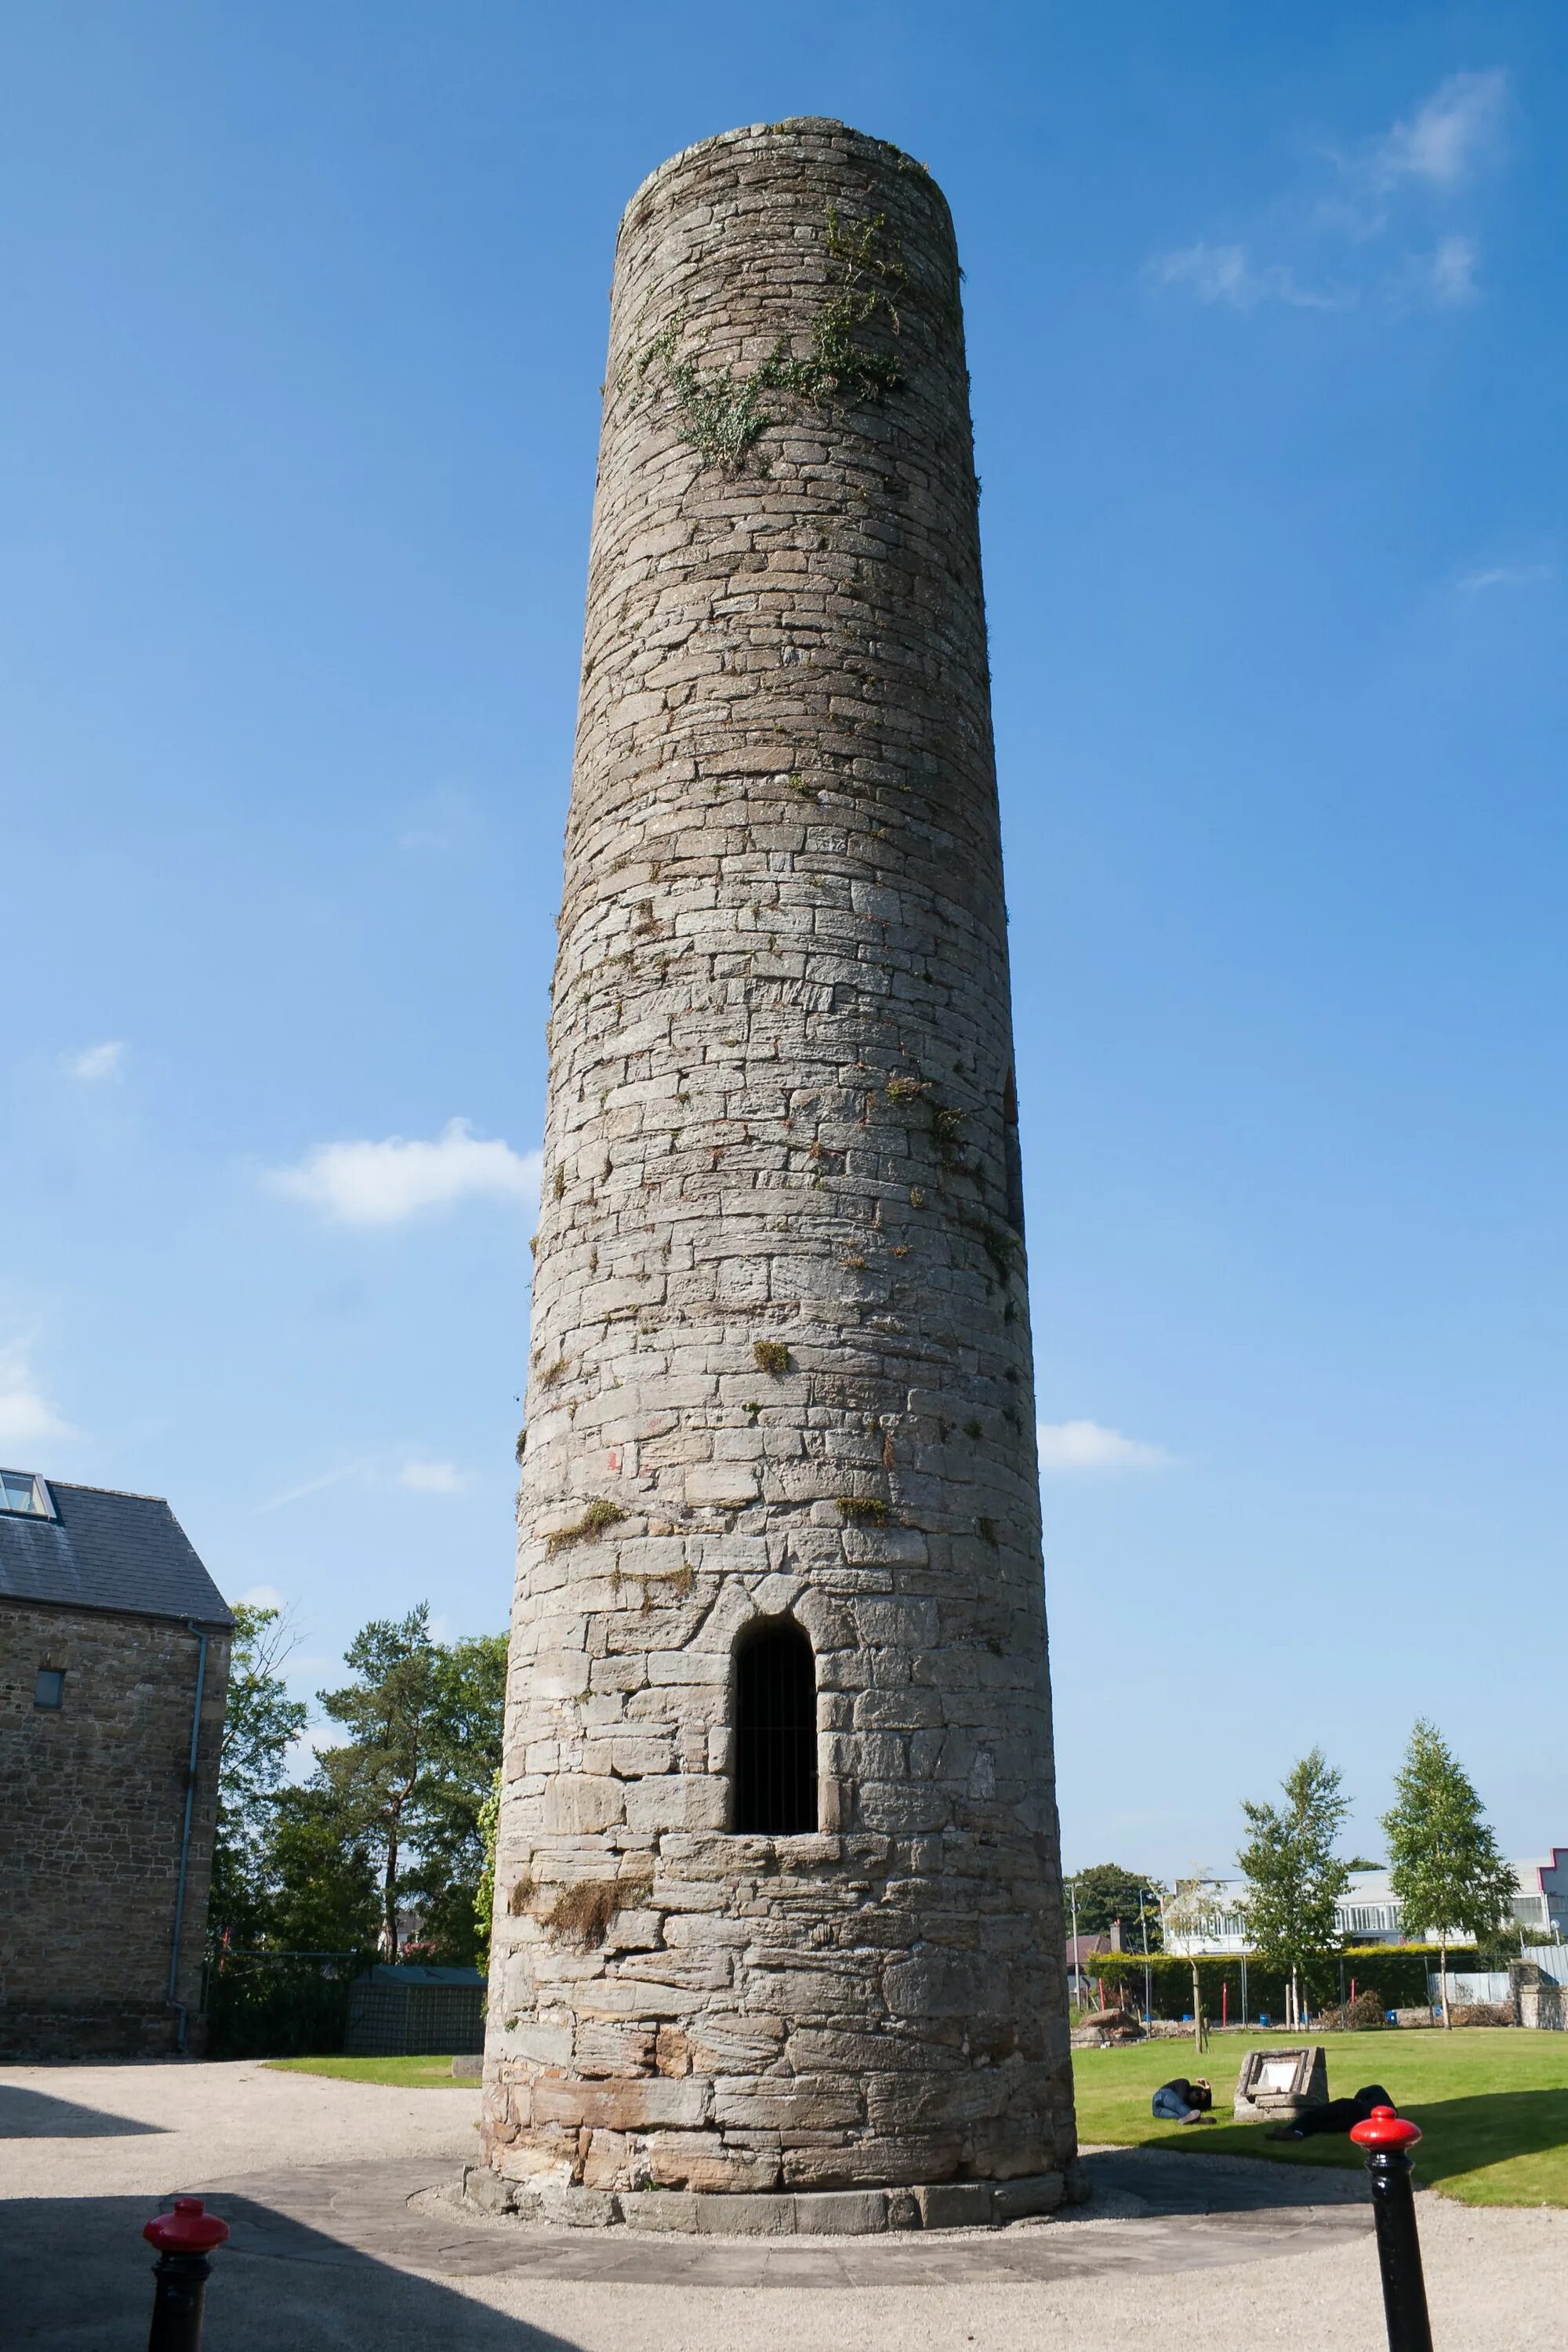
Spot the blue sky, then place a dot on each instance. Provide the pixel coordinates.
(305, 318)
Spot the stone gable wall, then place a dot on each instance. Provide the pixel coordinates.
(89, 1828)
(781, 1119)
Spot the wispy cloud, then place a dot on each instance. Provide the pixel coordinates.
(1361, 236)
(313, 1487)
(261, 1596)
(1451, 272)
(28, 1421)
(1086, 1446)
(95, 1062)
(432, 1477)
(1226, 273)
(386, 1183)
(1449, 133)
(1507, 576)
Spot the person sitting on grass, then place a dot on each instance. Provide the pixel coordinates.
(1181, 2102)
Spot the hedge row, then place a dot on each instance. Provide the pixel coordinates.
(282, 2005)
(1396, 1973)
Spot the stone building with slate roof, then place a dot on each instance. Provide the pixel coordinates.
(113, 1668)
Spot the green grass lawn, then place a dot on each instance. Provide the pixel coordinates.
(1493, 2105)
(404, 2073)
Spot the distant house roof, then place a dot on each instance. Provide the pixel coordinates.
(94, 1548)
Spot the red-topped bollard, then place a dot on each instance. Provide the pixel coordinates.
(1388, 2139)
(185, 2239)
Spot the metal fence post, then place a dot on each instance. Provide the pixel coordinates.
(185, 2239)
(1388, 2139)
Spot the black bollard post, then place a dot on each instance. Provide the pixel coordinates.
(1388, 2139)
(185, 2239)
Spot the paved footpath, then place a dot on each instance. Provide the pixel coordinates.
(344, 2236)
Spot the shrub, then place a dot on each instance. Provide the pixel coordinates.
(770, 1355)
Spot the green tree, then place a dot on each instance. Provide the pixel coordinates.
(1294, 1877)
(260, 1725)
(448, 1812)
(1443, 1863)
(373, 1778)
(1105, 1892)
(324, 1896)
(410, 1783)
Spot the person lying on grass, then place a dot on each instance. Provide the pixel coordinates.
(1338, 2115)
(1181, 2102)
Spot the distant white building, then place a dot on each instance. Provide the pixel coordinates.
(1368, 1911)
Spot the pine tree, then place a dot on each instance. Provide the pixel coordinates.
(1294, 1877)
(1443, 1863)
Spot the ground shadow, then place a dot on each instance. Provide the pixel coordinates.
(81, 2281)
(36, 2115)
(1169, 2188)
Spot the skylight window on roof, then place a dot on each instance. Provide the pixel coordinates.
(20, 1491)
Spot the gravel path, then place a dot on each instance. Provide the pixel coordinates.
(339, 2241)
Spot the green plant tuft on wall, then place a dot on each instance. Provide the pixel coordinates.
(725, 411)
(863, 1510)
(600, 1516)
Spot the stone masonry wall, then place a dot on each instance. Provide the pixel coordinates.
(89, 1828)
(780, 1353)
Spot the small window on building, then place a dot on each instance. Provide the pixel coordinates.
(49, 1690)
(20, 1491)
(775, 1731)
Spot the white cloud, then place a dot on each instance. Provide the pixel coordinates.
(29, 1421)
(1432, 153)
(95, 1062)
(1508, 575)
(432, 1477)
(1226, 273)
(261, 1596)
(1446, 136)
(1451, 272)
(1085, 1446)
(383, 1184)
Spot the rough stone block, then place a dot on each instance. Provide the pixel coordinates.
(841, 2213)
(670, 2211)
(578, 2208)
(1012, 2200)
(746, 2216)
(490, 2192)
(955, 2205)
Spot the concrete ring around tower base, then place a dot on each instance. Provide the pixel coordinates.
(779, 2213)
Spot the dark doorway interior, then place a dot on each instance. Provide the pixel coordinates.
(775, 1731)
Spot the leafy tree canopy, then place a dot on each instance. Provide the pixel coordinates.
(1294, 1877)
(1445, 1865)
(410, 1781)
(1107, 1892)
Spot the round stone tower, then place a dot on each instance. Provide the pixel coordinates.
(777, 1884)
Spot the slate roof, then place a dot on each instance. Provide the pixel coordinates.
(107, 1550)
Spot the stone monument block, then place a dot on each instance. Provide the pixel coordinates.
(1275, 2086)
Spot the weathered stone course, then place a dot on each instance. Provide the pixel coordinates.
(780, 1356)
